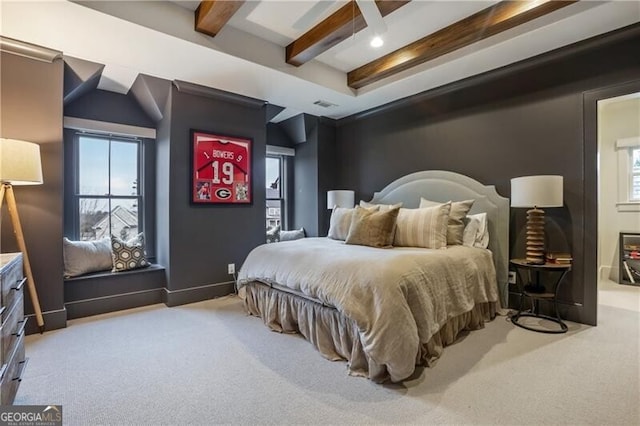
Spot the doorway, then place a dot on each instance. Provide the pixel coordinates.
(618, 132)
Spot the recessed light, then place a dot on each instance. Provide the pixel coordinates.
(377, 41)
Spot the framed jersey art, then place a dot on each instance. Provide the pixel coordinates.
(221, 169)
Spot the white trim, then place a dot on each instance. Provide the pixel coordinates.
(95, 126)
(280, 150)
(633, 142)
(630, 206)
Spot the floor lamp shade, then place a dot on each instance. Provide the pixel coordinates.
(20, 162)
(340, 198)
(20, 165)
(535, 192)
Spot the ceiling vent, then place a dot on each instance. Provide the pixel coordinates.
(324, 104)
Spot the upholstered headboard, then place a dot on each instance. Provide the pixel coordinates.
(443, 186)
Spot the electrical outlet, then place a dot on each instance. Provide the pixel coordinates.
(512, 277)
(231, 268)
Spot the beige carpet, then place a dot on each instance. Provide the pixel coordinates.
(209, 363)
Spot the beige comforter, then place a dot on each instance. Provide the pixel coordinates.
(399, 298)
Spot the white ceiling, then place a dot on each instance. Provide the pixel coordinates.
(247, 56)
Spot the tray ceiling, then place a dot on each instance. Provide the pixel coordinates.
(248, 54)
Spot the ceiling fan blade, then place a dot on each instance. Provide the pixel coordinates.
(372, 16)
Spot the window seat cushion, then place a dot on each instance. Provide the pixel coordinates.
(108, 273)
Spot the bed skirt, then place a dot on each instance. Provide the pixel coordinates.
(337, 338)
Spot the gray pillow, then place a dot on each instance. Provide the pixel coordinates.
(82, 257)
(295, 234)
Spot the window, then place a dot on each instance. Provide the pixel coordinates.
(107, 192)
(634, 193)
(275, 191)
(628, 174)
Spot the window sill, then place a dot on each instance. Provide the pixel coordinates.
(630, 206)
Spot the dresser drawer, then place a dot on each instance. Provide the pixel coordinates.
(12, 373)
(12, 327)
(12, 283)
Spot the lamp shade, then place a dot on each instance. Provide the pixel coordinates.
(536, 191)
(340, 198)
(20, 162)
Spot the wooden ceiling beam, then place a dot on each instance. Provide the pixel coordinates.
(338, 27)
(212, 15)
(486, 23)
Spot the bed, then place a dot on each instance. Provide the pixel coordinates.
(385, 310)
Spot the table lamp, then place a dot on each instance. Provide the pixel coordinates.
(20, 165)
(535, 192)
(340, 198)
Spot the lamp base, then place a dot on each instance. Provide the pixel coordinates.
(535, 236)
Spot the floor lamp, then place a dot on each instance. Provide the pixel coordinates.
(20, 165)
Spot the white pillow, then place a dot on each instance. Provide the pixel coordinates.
(476, 231)
(340, 222)
(82, 257)
(425, 227)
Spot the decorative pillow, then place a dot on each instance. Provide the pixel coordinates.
(476, 231)
(128, 255)
(81, 257)
(382, 207)
(455, 227)
(425, 227)
(295, 234)
(273, 234)
(340, 222)
(373, 228)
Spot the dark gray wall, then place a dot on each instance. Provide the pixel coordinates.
(315, 174)
(277, 137)
(197, 242)
(521, 120)
(112, 107)
(328, 170)
(305, 202)
(31, 109)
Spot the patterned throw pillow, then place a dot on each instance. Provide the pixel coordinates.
(370, 227)
(273, 234)
(128, 255)
(458, 213)
(426, 227)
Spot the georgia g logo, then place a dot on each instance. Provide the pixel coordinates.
(223, 193)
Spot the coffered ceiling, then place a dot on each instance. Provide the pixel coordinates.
(295, 53)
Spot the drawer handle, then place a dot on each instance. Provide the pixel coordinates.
(20, 284)
(23, 324)
(22, 365)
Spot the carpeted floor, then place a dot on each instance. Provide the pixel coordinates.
(208, 363)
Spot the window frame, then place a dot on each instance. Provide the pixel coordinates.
(76, 196)
(625, 148)
(282, 199)
(633, 174)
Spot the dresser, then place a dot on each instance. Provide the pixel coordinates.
(13, 360)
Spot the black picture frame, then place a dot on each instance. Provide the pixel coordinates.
(221, 169)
